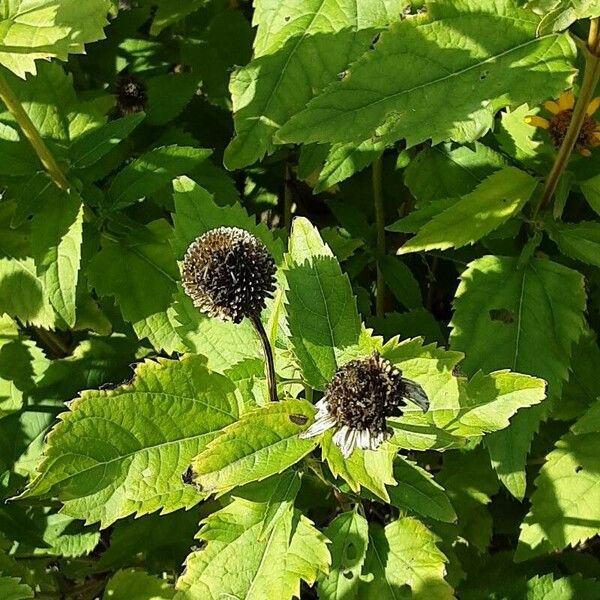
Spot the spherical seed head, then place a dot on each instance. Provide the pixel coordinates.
(132, 96)
(364, 392)
(228, 274)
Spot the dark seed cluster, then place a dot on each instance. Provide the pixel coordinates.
(228, 274)
(132, 95)
(364, 392)
(559, 124)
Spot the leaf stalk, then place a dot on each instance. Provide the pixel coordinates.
(269, 362)
(380, 225)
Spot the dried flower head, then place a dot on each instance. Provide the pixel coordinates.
(558, 124)
(228, 274)
(132, 95)
(359, 398)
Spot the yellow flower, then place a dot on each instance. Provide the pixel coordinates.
(562, 113)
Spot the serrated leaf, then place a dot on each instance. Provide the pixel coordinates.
(417, 491)
(127, 268)
(48, 29)
(153, 171)
(133, 584)
(560, 14)
(11, 588)
(264, 569)
(578, 240)
(533, 314)
(144, 436)
(429, 59)
(492, 203)
(322, 314)
(545, 587)
(401, 282)
(300, 47)
(262, 443)
(56, 238)
(280, 500)
(349, 535)
(402, 554)
(516, 136)
(565, 506)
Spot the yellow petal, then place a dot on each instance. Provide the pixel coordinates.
(585, 152)
(593, 106)
(566, 100)
(552, 107)
(536, 121)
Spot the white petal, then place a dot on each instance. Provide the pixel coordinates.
(345, 440)
(318, 427)
(364, 439)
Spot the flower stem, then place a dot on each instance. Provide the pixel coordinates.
(591, 76)
(269, 362)
(380, 224)
(288, 200)
(32, 134)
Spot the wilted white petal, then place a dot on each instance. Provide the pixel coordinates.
(364, 439)
(416, 394)
(345, 439)
(318, 427)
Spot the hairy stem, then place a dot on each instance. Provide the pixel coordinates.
(32, 134)
(380, 224)
(269, 362)
(591, 76)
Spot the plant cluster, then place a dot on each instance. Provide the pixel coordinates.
(299, 299)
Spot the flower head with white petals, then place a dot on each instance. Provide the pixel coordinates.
(359, 398)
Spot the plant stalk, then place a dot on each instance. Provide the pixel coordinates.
(591, 76)
(32, 134)
(288, 200)
(380, 224)
(269, 362)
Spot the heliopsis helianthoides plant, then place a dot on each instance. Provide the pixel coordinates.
(387, 392)
(561, 115)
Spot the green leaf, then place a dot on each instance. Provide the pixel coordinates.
(404, 553)
(168, 95)
(493, 202)
(545, 587)
(349, 535)
(516, 136)
(533, 314)
(48, 29)
(97, 143)
(577, 240)
(280, 500)
(236, 562)
(11, 588)
(152, 172)
(417, 491)
(446, 172)
(300, 47)
(56, 238)
(171, 11)
(428, 59)
(141, 273)
(401, 282)
(322, 314)
(124, 451)
(560, 14)
(591, 191)
(133, 584)
(262, 443)
(565, 506)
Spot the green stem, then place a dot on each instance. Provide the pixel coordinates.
(269, 362)
(380, 224)
(591, 77)
(288, 200)
(32, 134)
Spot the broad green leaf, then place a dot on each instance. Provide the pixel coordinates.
(300, 47)
(560, 14)
(168, 95)
(124, 451)
(401, 282)
(141, 273)
(402, 554)
(11, 588)
(591, 191)
(342, 244)
(417, 491)
(545, 587)
(153, 171)
(280, 499)
(95, 144)
(321, 307)
(533, 315)
(18, 157)
(56, 238)
(578, 240)
(428, 59)
(494, 201)
(47, 29)
(446, 172)
(132, 584)
(565, 506)
(236, 562)
(171, 11)
(349, 535)
(262, 443)
(516, 136)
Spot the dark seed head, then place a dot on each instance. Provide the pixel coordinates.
(364, 392)
(559, 124)
(228, 274)
(132, 96)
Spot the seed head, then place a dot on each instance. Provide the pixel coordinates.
(228, 274)
(132, 96)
